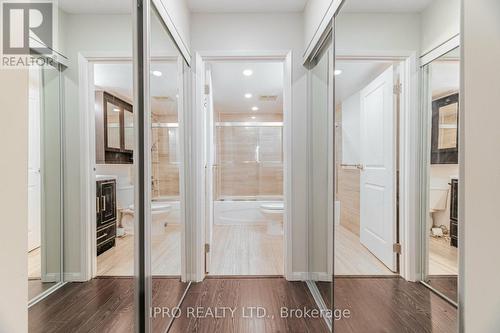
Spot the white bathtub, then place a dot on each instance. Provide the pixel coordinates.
(239, 212)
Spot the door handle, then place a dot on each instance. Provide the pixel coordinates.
(98, 206)
(103, 203)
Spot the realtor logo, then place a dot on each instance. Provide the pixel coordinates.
(27, 28)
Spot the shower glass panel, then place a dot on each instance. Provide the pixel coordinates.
(441, 79)
(45, 187)
(167, 69)
(250, 161)
(321, 175)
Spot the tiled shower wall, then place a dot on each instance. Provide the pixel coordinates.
(249, 159)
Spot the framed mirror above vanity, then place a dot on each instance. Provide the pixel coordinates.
(444, 138)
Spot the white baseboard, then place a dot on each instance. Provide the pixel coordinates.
(320, 276)
(74, 277)
(297, 276)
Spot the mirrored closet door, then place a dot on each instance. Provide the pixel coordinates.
(320, 166)
(45, 182)
(441, 86)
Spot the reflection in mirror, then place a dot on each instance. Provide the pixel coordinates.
(320, 227)
(166, 93)
(441, 85)
(45, 181)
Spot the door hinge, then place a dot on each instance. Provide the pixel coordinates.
(397, 89)
(207, 247)
(396, 248)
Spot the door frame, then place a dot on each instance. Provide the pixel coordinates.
(198, 134)
(86, 62)
(408, 157)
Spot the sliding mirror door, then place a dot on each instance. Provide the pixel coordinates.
(45, 182)
(441, 85)
(167, 73)
(320, 166)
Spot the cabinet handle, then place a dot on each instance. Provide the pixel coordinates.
(103, 203)
(102, 236)
(98, 206)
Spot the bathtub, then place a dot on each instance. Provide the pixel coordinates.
(239, 212)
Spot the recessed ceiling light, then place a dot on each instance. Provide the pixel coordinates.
(254, 108)
(116, 110)
(337, 72)
(248, 95)
(253, 117)
(247, 72)
(157, 73)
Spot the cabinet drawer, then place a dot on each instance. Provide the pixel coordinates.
(453, 229)
(106, 233)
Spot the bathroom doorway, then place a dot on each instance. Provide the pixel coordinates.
(245, 140)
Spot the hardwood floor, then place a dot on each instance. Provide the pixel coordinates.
(352, 258)
(443, 258)
(391, 305)
(246, 250)
(165, 255)
(269, 293)
(100, 305)
(447, 285)
(36, 287)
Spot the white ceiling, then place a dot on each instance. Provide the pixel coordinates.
(386, 6)
(117, 79)
(230, 86)
(237, 6)
(96, 6)
(355, 76)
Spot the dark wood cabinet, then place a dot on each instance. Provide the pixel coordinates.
(105, 214)
(114, 129)
(454, 213)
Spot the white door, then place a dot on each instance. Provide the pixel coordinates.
(211, 167)
(34, 180)
(378, 158)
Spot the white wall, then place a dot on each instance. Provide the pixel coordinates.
(14, 201)
(351, 129)
(179, 14)
(440, 22)
(254, 32)
(479, 195)
(377, 34)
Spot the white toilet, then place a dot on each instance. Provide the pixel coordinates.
(159, 210)
(437, 202)
(273, 213)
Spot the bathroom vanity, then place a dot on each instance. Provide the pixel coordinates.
(105, 213)
(454, 213)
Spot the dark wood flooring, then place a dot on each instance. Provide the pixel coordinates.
(36, 287)
(391, 305)
(325, 289)
(239, 294)
(100, 305)
(446, 284)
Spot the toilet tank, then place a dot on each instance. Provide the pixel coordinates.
(438, 198)
(124, 195)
